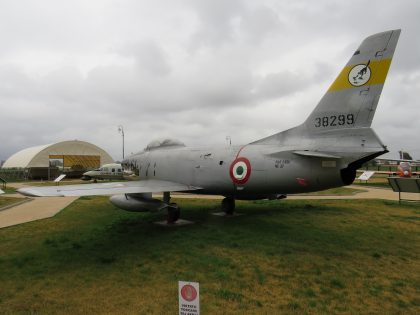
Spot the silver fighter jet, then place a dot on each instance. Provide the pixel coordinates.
(323, 152)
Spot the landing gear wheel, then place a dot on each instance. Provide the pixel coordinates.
(228, 205)
(173, 213)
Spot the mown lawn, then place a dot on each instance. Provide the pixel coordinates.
(9, 190)
(280, 257)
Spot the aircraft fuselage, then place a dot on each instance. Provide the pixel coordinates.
(243, 172)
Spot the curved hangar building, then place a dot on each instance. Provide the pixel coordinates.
(48, 161)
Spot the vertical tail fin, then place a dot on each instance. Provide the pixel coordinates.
(351, 100)
(405, 155)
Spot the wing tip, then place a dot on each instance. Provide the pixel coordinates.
(27, 192)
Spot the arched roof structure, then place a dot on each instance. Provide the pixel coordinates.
(39, 156)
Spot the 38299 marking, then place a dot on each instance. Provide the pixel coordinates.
(334, 120)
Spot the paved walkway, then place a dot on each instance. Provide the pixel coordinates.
(34, 209)
(369, 193)
(46, 207)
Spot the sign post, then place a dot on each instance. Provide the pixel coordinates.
(189, 298)
(59, 178)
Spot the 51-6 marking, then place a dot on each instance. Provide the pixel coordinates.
(334, 120)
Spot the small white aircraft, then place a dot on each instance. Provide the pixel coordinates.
(325, 151)
(107, 171)
(405, 165)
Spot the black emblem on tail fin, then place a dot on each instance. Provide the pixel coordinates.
(360, 74)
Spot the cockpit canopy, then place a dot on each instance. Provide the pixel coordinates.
(164, 143)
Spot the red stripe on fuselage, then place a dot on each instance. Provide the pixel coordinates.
(239, 152)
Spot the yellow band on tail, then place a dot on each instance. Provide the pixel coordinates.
(377, 73)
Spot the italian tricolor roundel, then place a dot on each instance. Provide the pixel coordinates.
(240, 170)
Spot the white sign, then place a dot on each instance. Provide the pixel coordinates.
(366, 175)
(59, 178)
(189, 298)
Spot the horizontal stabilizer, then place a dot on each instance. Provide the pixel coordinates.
(113, 188)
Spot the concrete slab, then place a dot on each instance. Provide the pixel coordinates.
(223, 214)
(179, 222)
(36, 209)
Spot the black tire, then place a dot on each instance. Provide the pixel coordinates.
(228, 205)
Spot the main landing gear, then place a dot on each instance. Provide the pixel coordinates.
(228, 205)
(174, 210)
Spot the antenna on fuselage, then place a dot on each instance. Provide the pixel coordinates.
(229, 140)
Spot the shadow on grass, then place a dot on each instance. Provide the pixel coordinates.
(100, 234)
(103, 235)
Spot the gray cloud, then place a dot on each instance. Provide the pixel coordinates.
(149, 57)
(194, 70)
(216, 22)
(276, 85)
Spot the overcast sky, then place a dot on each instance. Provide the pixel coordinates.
(195, 70)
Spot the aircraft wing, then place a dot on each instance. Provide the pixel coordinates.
(112, 188)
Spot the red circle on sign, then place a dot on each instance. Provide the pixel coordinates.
(188, 293)
(240, 170)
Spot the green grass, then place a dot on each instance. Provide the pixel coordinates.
(280, 257)
(9, 190)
